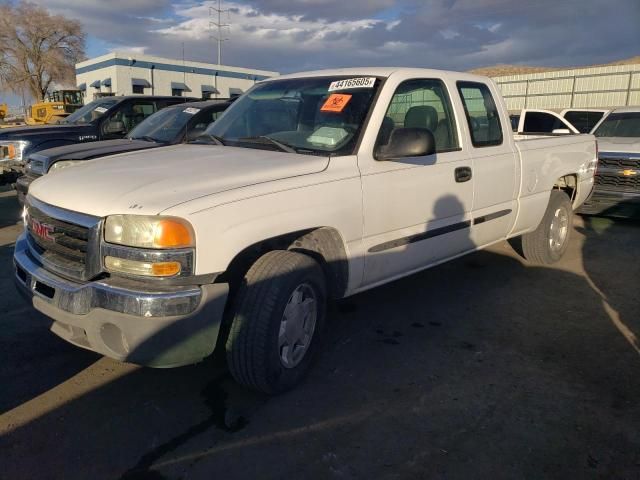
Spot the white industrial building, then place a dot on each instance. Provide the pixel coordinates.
(590, 87)
(119, 73)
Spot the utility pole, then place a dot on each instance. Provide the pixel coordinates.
(215, 22)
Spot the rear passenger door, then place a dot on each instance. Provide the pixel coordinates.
(416, 210)
(494, 162)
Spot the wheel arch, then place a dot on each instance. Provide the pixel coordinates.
(323, 244)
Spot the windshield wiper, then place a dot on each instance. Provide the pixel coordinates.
(282, 146)
(207, 136)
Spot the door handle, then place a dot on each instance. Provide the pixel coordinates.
(463, 174)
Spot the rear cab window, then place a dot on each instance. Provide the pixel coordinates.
(482, 114)
(583, 120)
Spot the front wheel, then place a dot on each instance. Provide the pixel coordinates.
(547, 243)
(279, 316)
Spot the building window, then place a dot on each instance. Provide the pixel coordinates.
(138, 89)
(176, 92)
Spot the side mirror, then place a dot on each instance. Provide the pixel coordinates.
(193, 134)
(114, 128)
(561, 131)
(408, 142)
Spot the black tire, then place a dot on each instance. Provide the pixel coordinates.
(540, 246)
(252, 347)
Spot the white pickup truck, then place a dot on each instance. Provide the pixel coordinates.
(311, 187)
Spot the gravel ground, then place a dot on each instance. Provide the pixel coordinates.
(485, 367)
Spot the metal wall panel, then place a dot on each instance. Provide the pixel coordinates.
(610, 86)
(550, 86)
(600, 99)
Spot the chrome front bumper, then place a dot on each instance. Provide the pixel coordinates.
(161, 327)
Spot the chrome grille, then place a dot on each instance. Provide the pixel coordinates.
(618, 162)
(618, 182)
(64, 242)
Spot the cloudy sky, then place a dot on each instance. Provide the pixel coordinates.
(288, 35)
(292, 35)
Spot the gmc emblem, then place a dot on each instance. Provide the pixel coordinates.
(42, 230)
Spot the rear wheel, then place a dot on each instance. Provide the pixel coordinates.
(279, 315)
(547, 243)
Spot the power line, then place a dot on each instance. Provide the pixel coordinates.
(215, 24)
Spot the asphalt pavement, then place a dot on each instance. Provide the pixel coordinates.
(486, 367)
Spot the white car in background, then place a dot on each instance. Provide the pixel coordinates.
(617, 180)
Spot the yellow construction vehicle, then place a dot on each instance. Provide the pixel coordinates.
(55, 107)
(3, 111)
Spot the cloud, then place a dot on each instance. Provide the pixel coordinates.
(287, 35)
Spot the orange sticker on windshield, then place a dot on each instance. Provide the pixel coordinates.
(335, 103)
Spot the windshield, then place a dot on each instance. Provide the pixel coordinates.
(91, 111)
(583, 120)
(318, 115)
(164, 126)
(625, 124)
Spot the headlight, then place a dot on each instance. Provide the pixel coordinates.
(149, 231)
(12, 151)
(63, 164)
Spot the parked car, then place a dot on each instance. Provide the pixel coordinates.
(313, 186)
(617, 180)
(584, 119)
(175, 124)
(535, 120)
(103, 119)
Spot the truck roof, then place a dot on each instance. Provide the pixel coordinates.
(635, 109)
(383, 72)
(203, 103)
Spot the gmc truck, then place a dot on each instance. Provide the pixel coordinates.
(310, 187)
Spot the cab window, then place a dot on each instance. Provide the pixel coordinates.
(203, 119)
(421, 104)
(130, 115)
(482, 114)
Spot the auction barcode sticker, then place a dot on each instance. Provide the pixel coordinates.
(100, 109)
(364, 82)
(191, 110)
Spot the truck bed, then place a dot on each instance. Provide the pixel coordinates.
(544, 158)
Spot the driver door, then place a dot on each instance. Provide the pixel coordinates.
(417, 211)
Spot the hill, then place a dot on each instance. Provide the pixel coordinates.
(501, 70)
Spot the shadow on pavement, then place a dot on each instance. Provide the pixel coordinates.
(32, 360)
(483, 367)
(9, 209)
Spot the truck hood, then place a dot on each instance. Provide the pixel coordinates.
(619, 144)
(153, 181)
(83, 151)
(34, 134)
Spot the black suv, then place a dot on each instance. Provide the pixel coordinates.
(175, 124)
(103, 119)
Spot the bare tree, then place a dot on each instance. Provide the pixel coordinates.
(37, 49)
